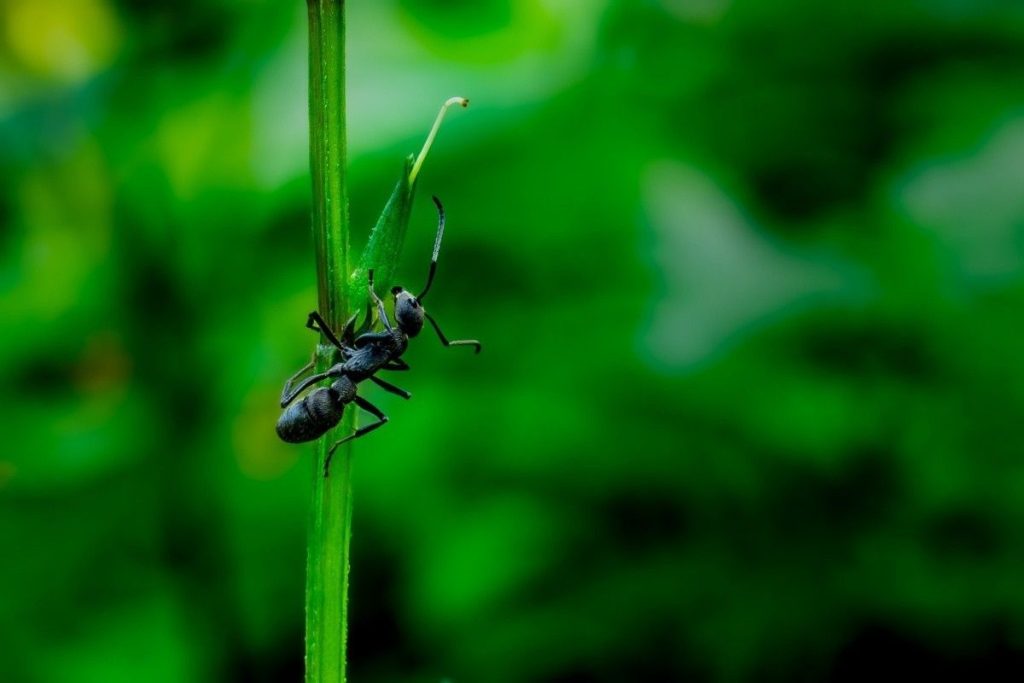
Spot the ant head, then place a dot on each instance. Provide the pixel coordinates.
(408, 311)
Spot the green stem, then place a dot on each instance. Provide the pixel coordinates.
(330, 514)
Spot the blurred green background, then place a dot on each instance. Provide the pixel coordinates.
(749, 276)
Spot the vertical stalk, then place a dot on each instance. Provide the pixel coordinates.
(327, 561)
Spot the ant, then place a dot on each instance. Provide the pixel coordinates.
(321, 410)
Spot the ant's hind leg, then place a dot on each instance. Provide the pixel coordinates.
(368, 407)
(289, 394)
(288, 384)
(387, 386)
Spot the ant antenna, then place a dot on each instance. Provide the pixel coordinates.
(433, 133)
(437, 247)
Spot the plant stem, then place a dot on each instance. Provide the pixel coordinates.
(330, 519)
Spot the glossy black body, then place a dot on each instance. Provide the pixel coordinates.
(317, 413)
(373, 351)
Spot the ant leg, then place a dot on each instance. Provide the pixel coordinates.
(288, 397)
(368, 407)
(387, 386)
(288, 384)
(455, 342)
(396, 364)
(318, 324)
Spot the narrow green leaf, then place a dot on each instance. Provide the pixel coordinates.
(385, 245)
(388, 235)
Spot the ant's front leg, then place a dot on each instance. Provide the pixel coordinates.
(316, 323)
(396, 364)
(455, 342)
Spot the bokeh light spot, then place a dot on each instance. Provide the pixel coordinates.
(64, 40)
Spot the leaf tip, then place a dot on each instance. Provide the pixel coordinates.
(463, 102)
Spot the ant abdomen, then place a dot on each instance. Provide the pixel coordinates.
(317, 413)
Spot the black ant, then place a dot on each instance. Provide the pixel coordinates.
(321, 410)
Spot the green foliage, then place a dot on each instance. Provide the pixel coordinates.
(749, 279)
(385, 244)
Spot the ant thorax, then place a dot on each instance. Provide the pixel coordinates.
(400, 339)
(373, 350)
